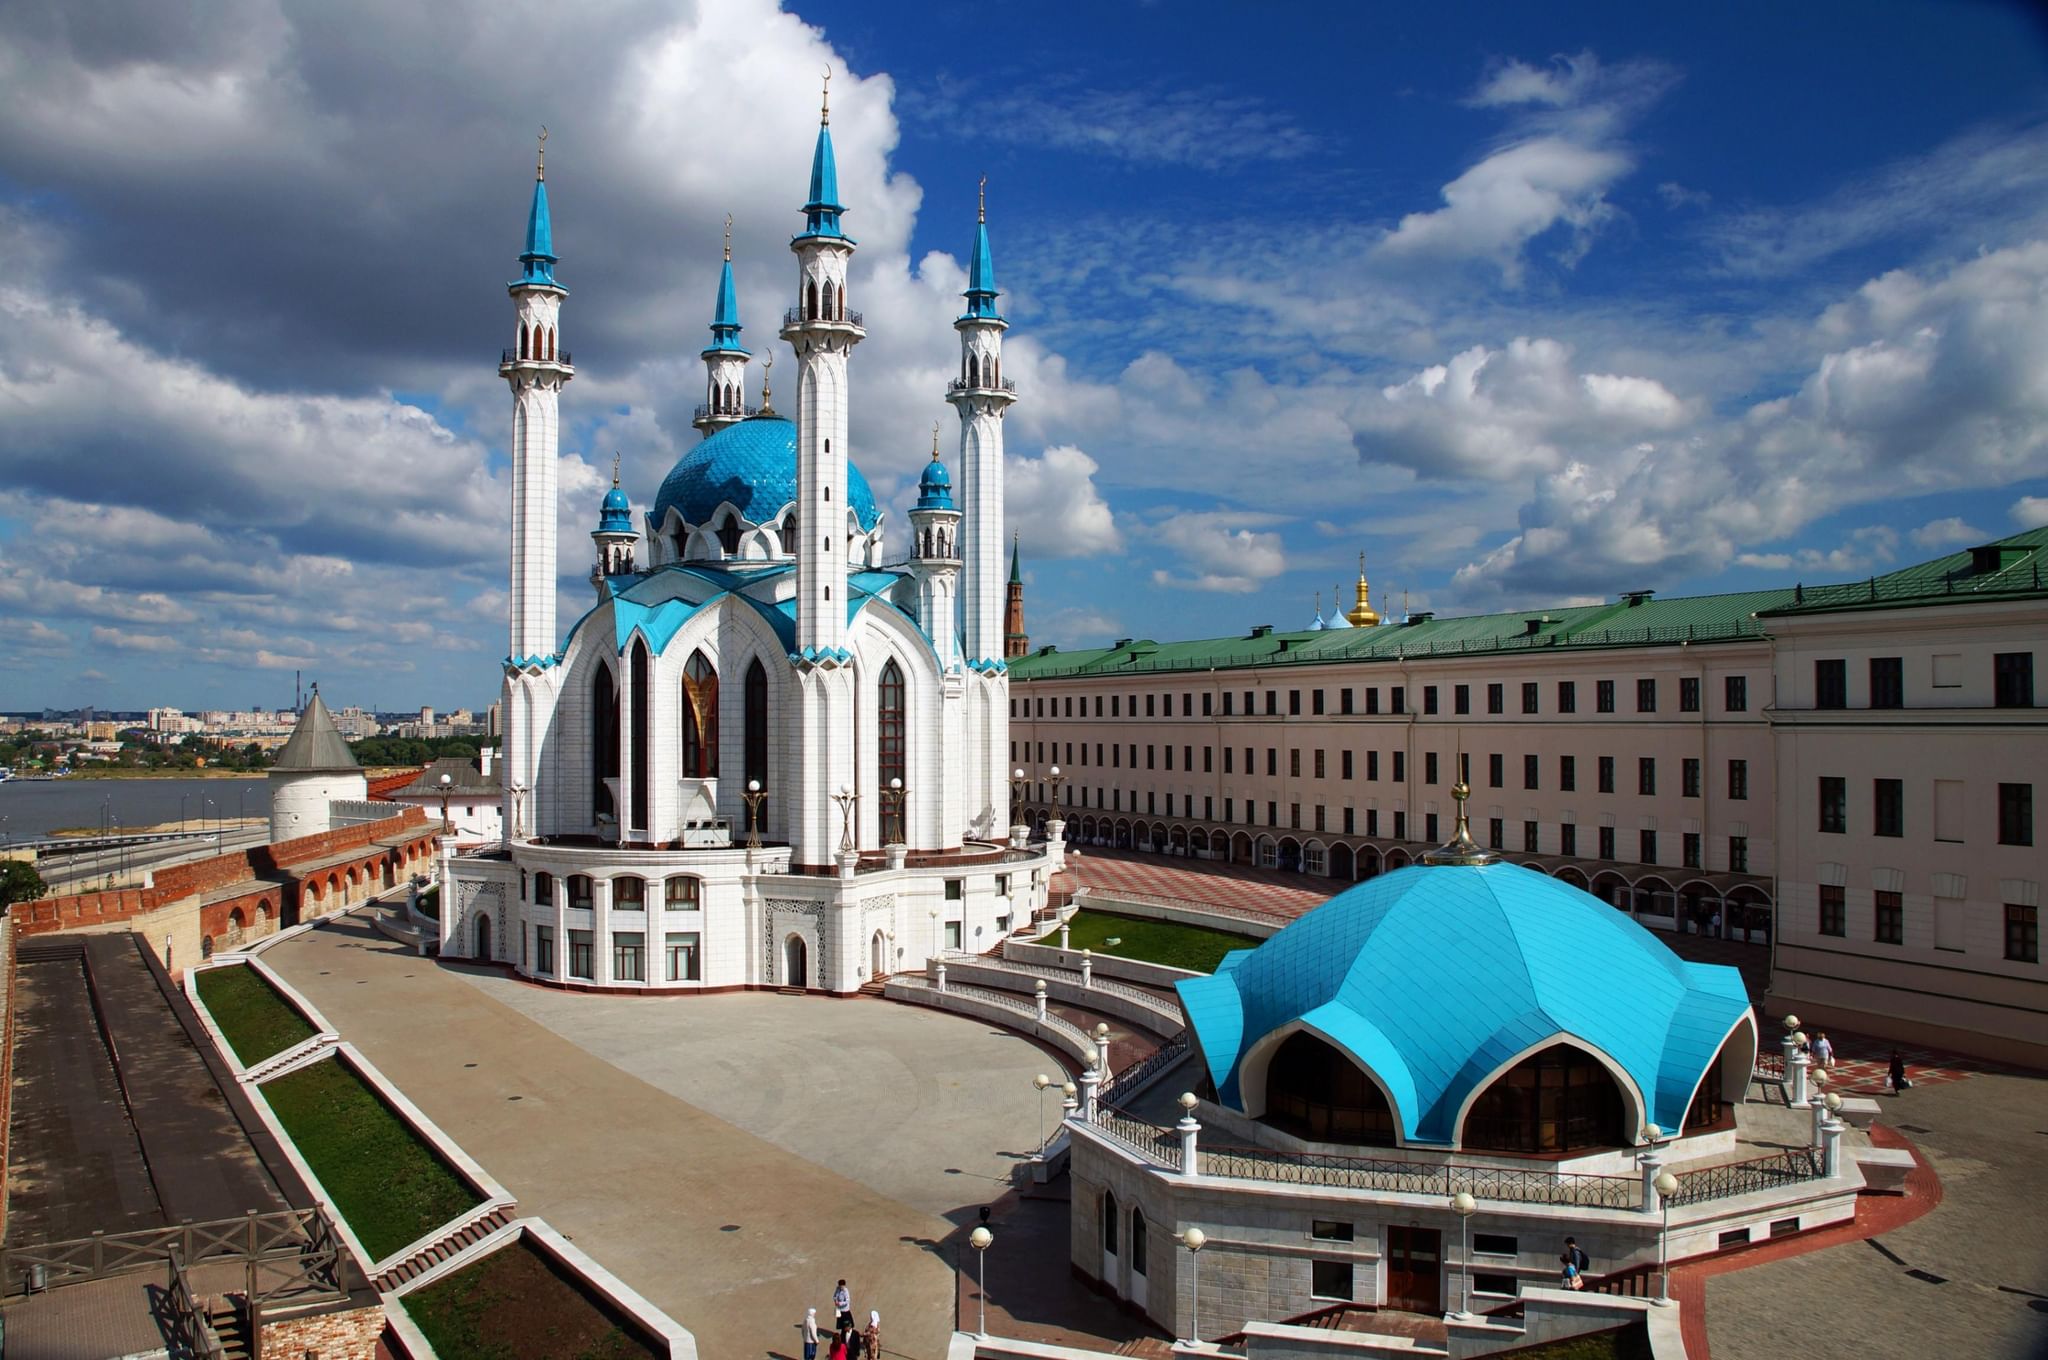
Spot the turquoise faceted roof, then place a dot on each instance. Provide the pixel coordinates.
(981, 280)
(725, 317)
(821, 213)
(1432, 978)
(935, 488)
(539, 256)
(753, 465)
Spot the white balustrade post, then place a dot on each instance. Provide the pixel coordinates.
(1090, 1080)
(1064, 929)
(940, 967)
(1652, 1163)
(1087, 968)
(1831, 1146)
(1038, 993)
(1795, 1070)
(1190, 1157)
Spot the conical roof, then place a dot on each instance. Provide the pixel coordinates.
(316, 743)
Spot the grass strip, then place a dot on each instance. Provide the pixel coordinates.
(1197, 948)
(517, 1304)
(383, 1178)
(257, 1021)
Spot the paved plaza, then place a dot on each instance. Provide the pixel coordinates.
(822, 1138)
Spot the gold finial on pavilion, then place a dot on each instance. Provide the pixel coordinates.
(728, 238)
(767, 364)
(1360, 613)
(1461, 849)
(825, 104)
(981, 212)
(615, 469)
(935, 441)
(540, 159)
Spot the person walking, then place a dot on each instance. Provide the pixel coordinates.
(810, 1334)
(873, 1336)
(842, 1304)
(1823, 1051)
(1576, 1263)
(854, 1345)
(838, 1351)
(1898, 1073)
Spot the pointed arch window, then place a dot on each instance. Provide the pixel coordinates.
(756, 757)
(811, 310)
(1315, 1092)
(551, 344)
(639, 723)
(604, 741)
(700, 718)
(891, 761)
(729, 534)
(789, 527)
(1558, 1100)
(523, 335)
(829, 313)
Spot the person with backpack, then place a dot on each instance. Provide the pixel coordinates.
(1576, 1263)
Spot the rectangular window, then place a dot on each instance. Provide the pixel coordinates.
(1646, 696)
(1229, 753)
(1372, 821)
(1350, 821)
(1344, 701)
(1319, 763)
(1187, 705)
(1646, 776)
(1461, 698)
(1831, 683)
(2022, 933)
(952, 934)
(1689, 777)
(1738, 854)
(1272, 812)
(1330, 1280)
(1495, 770)
(1603, 696)
(1294, 703)
(1372, 765)
(1272, 762)
(1098, 705)
(1400, 825)
(1372, 701)
(1831, 909)
(1209, 759)
(1689, 849)
(1689, 694)
(1429, 827)
(1887, 682)
(1735, 693)
(1208, 704)
(1496, 698)
(581, 962)
(1400, 766)
(1315, 702)
(1606, 842)
(1294, 816)
(1208, 807)
(1230, 809)
(1738, 780)
(682, 957)
(1151, 752)
(1567, 774)
(1484, 1282)
(1294, 763)
(1344, 764)
(1888, 807)
(1648, 847)
(1834, 804)
(2015, 814)
(1329, 1230)
(1529, 689)
(1532, 766)
(1320, 827)
(2013, 679)
(1567, 696)
(1428, 767)
(680, 894)
(579, 892)
(1495, 1244)
(1889, 927)
(629, 894)
(1272, 703)
(1496, 832)
(544, 950)
(1398, 699)
(1148, 704)
(1568, 838)
(1529, 830)
(1429, 699)
(1607, 774)
(955, 889)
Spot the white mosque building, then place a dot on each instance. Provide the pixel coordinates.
(770, 755)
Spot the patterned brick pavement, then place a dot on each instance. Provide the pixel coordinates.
(1202, 882)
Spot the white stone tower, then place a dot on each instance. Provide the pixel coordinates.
(537, 366)
(822, 330)
(725, 362)
(935, 559)
(614, 536)
(981, 394)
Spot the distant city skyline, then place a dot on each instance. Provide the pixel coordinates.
(1531, 307)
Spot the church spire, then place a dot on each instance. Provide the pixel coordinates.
(821, 213)
(1016, 642)
(539, 256)
(981, 271)
(1016, 576)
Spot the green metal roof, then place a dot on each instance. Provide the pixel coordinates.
(2003, 569)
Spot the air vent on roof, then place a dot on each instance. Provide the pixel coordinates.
(1632, 598)
(1260, 630)
(1994, 557)
(1531, 627)
(1421, 616)
(1121, 643)
(1047, 650)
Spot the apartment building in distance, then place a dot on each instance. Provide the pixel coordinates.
(1843, 775)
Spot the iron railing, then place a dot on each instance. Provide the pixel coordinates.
(1747, 1178)
(1148, 1140)
(704, 410)
(513, 356)
(962, 385)
(1513, 1184)
(795, 317)
(1135, 1077)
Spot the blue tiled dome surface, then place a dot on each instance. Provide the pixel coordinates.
(753, 465)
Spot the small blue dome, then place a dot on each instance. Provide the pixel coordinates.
(1433, 978)
(615, 516)
(935, 488)
(752, 465)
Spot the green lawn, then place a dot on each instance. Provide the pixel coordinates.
(1178, 946)
(516, 1305)
(1628, 1343)
(256, 1020)
(391, 1187)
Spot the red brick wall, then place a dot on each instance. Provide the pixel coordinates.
(350, 1334)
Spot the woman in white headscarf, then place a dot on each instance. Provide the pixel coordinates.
(810, 1334)
(873, 1336)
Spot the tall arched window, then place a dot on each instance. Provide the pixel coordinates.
(522, 339)
(1109, 1223)
(890, 763)
(604, 741)
(789, 527)
(551, 344)
(811, 297)
(1138, 1262)
(973, 371)
(729, 534)
(1559, 1100)
(638, 729)
(700, 718)
(756, 755)
(1315, 1092)
(829, 313)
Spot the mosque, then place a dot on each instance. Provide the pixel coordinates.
(773, 753)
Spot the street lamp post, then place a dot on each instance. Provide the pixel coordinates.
(1194, 1239)
(1041, 1081)
(979, 1239)
(1464, 1204)
(446, 780)
(754, 797)
(1667, 1186)
(846, 798)
(894, 798)
(1055, 778)
(1017, 788)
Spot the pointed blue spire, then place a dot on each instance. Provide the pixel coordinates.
(539, 256)
(725, 314)
(821, 214)
(981, 274)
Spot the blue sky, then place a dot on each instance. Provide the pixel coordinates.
(1530, 304)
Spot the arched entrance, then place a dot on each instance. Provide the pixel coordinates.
(1342, 863)
(878, 955)
(483, 937)
(796, 962)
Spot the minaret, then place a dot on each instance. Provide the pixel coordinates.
(725, 362)
(822, 331)
(536, 366)
(1015, 641)
(935, 559)
(614, 536)
(981, 395)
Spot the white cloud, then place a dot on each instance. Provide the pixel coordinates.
(1943, 533)
(1072, 627)
(1155, 125)
(1498, 206)
(1053, 503)
(1224, 550)
(123, 640)
(2030, 512)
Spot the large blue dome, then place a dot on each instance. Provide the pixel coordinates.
(1434, 978)
(752, 465)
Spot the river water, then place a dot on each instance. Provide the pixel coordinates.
(31, 808)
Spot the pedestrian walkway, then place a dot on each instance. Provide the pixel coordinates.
(1203, 882)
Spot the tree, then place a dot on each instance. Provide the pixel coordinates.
(19, 882)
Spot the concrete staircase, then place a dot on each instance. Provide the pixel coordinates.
(420, 1262)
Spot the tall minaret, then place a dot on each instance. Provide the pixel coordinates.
(537, 366)
(725, 363)
(935, 558)
(822, 331)
(982, 396)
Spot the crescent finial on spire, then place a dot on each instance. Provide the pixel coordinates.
(935, 441)
(981, 211)
(825, 103)
(728, 260)
(540, 158)
(615, 469)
